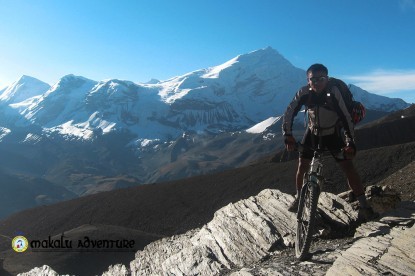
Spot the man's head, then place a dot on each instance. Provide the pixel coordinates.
(317, 77)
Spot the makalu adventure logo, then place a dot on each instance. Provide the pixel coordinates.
(61, 243)
(20, 244)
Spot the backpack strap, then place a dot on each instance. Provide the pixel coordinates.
(342, 122)
(344, 91)
(307, 88)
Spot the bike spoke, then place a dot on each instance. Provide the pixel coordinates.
(307, 209)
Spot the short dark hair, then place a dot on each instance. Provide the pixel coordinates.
(317, 67)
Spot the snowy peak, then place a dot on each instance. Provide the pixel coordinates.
(61, 102)
(152, 81)
(71, 84)
(377, 102)
(115, 88)
(24, 88)
(257, 62)
(237, 94)
(124, 102)
(265, 57)
(259, 74)
(83, 108)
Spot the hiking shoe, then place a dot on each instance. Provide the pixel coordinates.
(294, 206)
(367, 214)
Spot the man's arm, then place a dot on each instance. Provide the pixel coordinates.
(292, 110)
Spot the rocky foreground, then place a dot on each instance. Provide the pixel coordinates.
(255, 236)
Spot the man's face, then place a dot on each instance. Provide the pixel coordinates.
(317, 81)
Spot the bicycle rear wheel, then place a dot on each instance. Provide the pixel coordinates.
(305, 219)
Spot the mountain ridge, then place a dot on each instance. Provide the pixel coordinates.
(24, 88)
(220, 98)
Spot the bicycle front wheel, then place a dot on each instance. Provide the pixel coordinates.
(306, 215)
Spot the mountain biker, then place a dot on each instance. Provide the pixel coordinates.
(326, 120)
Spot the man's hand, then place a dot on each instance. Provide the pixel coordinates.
(349, 151)
(289, 142)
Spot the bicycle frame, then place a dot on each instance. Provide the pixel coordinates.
(315, 173)
(316, 166)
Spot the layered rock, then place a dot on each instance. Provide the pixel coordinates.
(40, 271)
(253, 237)
(117, 270)
(239, 234)
(380, 248)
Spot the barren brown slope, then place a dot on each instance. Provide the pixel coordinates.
(396, 128)
(174, 207)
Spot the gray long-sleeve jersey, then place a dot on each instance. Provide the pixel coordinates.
(325, 111)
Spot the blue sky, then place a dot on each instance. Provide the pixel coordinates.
(369, 43)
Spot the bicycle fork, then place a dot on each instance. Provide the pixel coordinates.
(312, 180)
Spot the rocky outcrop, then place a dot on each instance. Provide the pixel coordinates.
(40, 271)
(240, 234)
(117, 270)
(255, 236)
(380, 248)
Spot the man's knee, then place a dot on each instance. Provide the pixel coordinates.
(303, 165)
(347, 166)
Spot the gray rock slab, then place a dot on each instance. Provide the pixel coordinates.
(40, 271)
(382, 247)
(240, 234)
(117, 270)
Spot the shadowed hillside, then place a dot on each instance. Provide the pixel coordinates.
(396, 128)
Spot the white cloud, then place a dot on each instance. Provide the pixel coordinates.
(407, 5)
(385, 81)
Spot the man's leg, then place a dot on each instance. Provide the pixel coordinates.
(304, 159)
(303, 166)
(336, 144)
(365, 211)
(353, 177)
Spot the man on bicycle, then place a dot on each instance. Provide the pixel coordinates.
(326, 119)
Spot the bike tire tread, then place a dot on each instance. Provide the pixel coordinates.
(302, 248)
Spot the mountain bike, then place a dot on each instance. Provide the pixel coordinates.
(307, 205)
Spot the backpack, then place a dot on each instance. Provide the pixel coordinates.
(356, 109)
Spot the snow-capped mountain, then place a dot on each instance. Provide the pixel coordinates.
(377, 102)
(61, 103)
(233, 96)
(218, 99)
(24, 88)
